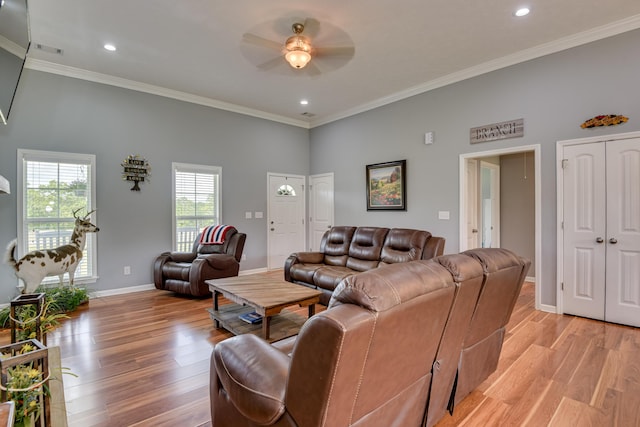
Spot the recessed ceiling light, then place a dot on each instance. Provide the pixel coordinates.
(304, 102)
(110, 47)
(522, 12)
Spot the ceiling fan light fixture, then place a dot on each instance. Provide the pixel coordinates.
(298, 58)
(298, 51)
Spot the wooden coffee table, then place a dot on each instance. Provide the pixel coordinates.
(267, 297)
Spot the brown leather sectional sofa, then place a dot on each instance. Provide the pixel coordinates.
(396, 346)
(349, 250)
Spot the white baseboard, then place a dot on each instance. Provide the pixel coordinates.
(548, 308)
(151, 286)
(120, 291)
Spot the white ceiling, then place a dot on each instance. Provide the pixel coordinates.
(194, 50)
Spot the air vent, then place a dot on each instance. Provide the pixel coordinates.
(307, 114)
(49, 49)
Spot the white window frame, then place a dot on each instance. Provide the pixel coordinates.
(57, 157)
(193, 168)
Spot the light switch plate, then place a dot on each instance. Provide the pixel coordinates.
(443, 214)
(258, 215)
(247, 215)
(428, 138)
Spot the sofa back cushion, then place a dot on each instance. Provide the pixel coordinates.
(335, 245)
(366, 247)
(214, 249)
(403, 245)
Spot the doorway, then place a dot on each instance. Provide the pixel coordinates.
(285, 217)
(470, 194)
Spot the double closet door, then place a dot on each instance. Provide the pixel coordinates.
(601, 226)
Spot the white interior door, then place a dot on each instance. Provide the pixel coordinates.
(285, 219)
(472, 204)
(623, 232)
(584, 230)
(490, 194)
(320, 207)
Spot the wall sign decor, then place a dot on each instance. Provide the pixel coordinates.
(605, 120)
(387, 186)
(494, 131)
(135, 169)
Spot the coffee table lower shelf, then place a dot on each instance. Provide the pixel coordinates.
(283, 325)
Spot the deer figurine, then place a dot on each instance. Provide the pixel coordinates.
(36, 265)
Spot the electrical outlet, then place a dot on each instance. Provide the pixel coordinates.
(127, 270)
(243, 257)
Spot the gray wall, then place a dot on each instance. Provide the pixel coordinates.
(63, 114)
(554, 95)
(517, 205)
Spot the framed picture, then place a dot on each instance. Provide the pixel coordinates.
(387, 186)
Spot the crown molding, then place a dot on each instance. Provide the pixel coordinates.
(78, 73)
(12, 47)
(598, 33)
(578, 39)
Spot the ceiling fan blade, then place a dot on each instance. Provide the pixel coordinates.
(271, 64)
(335, 51)
(261, 41)
(312, 69)
(311, 27)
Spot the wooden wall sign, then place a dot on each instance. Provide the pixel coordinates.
(135, 169)
(502, 130)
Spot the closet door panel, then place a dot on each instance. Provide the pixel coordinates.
(623, 232)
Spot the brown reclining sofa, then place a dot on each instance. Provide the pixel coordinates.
(349, 250)
(396, 346)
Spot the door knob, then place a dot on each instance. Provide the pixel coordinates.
(475, 230)
(613, 240)
(599, 240)
(272, 229)
(328, 226)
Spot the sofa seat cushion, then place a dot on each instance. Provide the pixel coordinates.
(329, 277)
(177, 270)
(304, 272)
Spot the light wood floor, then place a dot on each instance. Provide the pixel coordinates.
(142, 359)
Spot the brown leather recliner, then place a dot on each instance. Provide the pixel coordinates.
(185, 272)
(365, 361)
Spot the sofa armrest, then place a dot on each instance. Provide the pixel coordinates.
(255, 385)
(301, 257)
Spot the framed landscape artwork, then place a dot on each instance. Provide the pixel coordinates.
(387, 186)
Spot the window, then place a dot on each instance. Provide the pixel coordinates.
(196, 199)
(54, 185)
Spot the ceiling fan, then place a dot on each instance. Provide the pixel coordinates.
(304, 50)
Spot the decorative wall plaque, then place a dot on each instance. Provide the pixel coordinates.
(135, 169)
(502, 130)
(605, 120)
